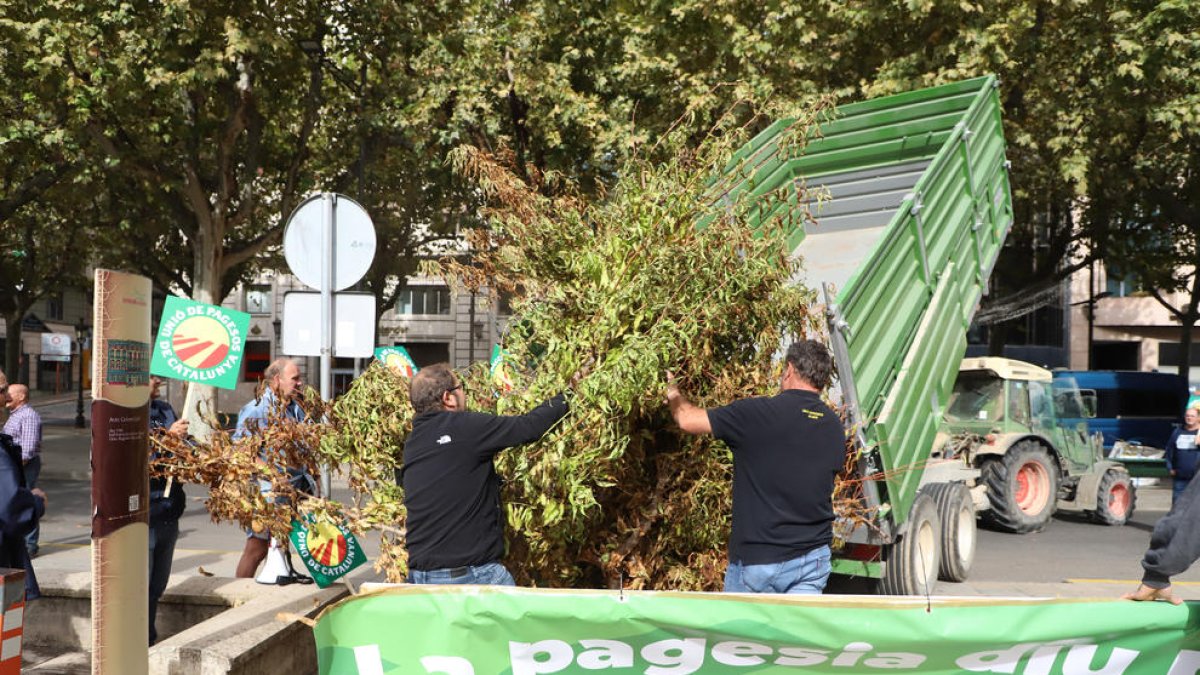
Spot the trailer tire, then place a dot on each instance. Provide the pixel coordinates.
(1022, 488)
(956, 511)
(1115, 499)
(912, 564)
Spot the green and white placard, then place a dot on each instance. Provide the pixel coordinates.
(200, 343)
(397, 358)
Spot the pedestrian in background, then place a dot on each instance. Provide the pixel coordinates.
(279, 401)
(787, 450)
(20, 509)
(25, 426)
(167, 500)
(1182, 455)
(455, 532)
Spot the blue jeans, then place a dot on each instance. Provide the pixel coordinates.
(32, 469)
(488, 574)
(1178, 485)
(804, 575)
(162, 551)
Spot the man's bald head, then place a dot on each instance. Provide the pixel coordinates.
(18, 394)
(283, 377)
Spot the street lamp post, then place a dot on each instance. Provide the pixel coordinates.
(80, 329)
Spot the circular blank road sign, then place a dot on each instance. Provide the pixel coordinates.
(353, 242)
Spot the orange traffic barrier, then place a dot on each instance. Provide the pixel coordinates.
(13, 622)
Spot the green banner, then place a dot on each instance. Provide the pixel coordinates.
(472, 630)
(200, 343)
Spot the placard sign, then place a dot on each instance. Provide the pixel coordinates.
(200, 343)
(398, 359)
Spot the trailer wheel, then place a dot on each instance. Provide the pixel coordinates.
(956, 511)
(1022, 488)
(1116, 498)
(912, 564)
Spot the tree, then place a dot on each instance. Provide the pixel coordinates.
(43, 243)
(203, 114)
(1143, 209)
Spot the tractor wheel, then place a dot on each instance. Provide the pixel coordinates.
(1022, 488)
(1116, 498)
(912, 564)
(956, 511)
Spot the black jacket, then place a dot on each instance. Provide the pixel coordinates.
(451, 489)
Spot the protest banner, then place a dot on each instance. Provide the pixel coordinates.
(477, 630)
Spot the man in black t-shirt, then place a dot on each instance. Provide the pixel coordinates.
(787, 450)
(451, 489)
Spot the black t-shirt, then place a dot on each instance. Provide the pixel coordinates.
(787, 450)
(451, 489)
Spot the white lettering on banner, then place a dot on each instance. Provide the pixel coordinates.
(681, 656)
(605, 654)
(524, 656)
(1042, 657)
(1187, 662)
(686, 655)
(740, 653)
(801, 656)
(368, 660)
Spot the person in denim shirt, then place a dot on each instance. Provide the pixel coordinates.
(279, 400)
(1182, 454)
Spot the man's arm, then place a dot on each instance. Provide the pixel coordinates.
(1174, 546)
(496, 432)
(691, 419)
(31, 434)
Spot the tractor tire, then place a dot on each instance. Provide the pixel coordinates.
(1022, 488)
(956, 511)
(912, 564)
(1116, 498)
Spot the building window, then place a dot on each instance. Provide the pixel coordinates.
(424, 300)
(54, 307)
(256, 358)
(258, 299)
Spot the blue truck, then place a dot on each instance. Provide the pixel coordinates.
(1136, 407)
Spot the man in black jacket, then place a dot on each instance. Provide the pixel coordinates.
(1174, 546)
(787, 451)
(451, 489)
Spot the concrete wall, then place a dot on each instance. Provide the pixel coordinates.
(207, 625)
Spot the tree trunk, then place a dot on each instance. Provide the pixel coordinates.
(12, 346)
(1187, 323)
(206, 288)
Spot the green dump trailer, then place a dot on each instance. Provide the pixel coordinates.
(917, 208)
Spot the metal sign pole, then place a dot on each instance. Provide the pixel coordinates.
(327, 316)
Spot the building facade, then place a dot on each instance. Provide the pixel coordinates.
(1120, 326)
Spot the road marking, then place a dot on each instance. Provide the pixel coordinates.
(1125, 581)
